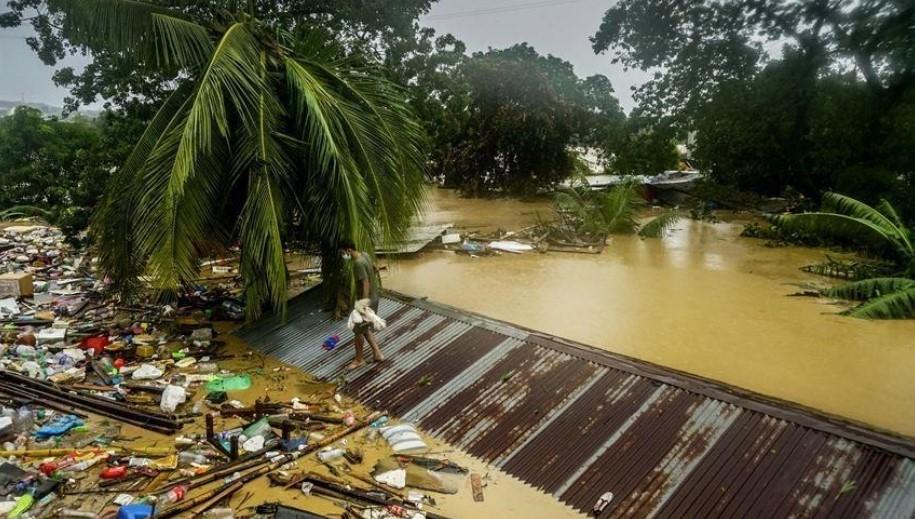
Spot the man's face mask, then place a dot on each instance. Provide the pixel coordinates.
(346, 256)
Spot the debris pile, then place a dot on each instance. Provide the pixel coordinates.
(148, 411)
(537, 238)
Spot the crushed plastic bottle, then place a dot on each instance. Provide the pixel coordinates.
(192, 458)
(172, 496)
(219, 513)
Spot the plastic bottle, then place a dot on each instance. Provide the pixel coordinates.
(25, 351)
(258, 428)
(219, 513)
(332, 454)
(23, 421)
(81, 466)
(230, 479)
(139, 462)
(380, 422)
(172, 496)
(192, 458)
(22, 505)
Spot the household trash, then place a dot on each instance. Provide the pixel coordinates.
(331, 342)
(403, 438)
(472, 247)
(511, 246)
(448, 239)
(85, 380)
(172, 396)
(229, 383)
(396, 478)
(58, 426)
(147, 372)
(363, 313)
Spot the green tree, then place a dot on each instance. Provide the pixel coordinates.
(263, 137)
(830, 103)
(368, 28)
(645, 148)
(518, 116)
(61, 167)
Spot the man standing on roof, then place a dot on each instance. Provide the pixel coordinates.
(366, 288)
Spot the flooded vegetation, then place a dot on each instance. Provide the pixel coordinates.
(702, 300)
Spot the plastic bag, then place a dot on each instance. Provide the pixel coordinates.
(172, 397)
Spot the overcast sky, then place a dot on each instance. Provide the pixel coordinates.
(558, 27)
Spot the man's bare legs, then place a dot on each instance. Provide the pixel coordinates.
(359, 342)
(376, 351)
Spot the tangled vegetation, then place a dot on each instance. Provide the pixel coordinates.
(881, 232)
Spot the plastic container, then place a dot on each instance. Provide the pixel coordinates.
(145, 351)
(331, 454)
(172, 397)
(233, 383)
(258, 428)
(96, 344)
(192, 458)
(22, 505)
(137, 511)
(172, 496)
(114, 472)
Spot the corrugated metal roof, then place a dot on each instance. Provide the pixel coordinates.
(577, 422)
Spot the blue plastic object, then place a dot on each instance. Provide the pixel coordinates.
(138, 511)
(59, 425)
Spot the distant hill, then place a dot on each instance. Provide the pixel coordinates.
(6, 107)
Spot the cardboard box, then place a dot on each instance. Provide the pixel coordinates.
(16, 284)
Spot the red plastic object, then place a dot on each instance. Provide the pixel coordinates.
(114, 472)
(118, 363)
(96, 343)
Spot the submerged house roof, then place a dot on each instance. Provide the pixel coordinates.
(577, 422)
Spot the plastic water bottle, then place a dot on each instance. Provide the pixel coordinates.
(192, 458)
(172, 496)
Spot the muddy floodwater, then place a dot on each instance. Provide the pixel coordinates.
(701, 300)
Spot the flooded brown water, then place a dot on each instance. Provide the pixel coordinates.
(701, 300)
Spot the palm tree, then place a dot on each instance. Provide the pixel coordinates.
(599, 213)
(265, 134)
(881, 230)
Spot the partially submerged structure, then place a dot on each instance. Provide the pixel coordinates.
(581, 423)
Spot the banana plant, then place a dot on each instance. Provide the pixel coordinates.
(879, 228)
(265, 133)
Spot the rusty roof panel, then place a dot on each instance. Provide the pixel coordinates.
(578, 423)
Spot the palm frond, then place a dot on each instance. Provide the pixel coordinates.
(175, 223)
(657, 226)
(112, 222)
(20, 211)
(571, 201)
(261, 158)
(154, 33)
(619, 208)
(367, 144)
(851, 228)
(388, 143)
(848, 206)
(869, 288)
(895, 305)
(887, 210)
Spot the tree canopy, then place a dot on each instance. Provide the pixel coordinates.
(515, 114)
(59, 167)
(780, 93)
(369, 28)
